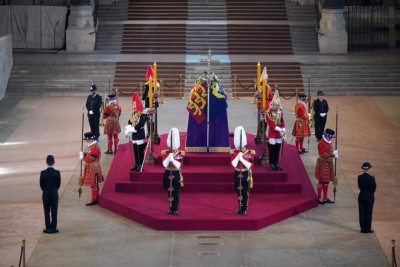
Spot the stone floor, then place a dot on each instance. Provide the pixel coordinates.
(32, 127)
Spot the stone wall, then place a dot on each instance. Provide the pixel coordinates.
(6, 62)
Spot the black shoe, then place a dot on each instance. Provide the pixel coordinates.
(92, 203)
(55, 231)
(108, 152)
(370, 232)
(277, 167)
(244, 213)
(321, 202)
(304, 150)
(300, 152)
(175, 213)
(133, 169)
(46, 231)
(328, 201)
(272, 167)
(139, 169)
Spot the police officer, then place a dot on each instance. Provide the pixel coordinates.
(93, 105)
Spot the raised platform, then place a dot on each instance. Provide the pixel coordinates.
(208, 200)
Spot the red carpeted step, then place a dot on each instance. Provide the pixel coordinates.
(208, 200)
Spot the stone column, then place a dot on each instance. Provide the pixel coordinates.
(332, 38)
(81, 35)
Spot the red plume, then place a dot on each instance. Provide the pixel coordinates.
(149, 73)
(136, 99)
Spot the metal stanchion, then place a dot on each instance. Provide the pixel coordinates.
(234, 96)
(394, 263)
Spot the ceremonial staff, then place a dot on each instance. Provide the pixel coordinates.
(335, 179)
(80, 177)
(309, 112)
(240, 176)
(170, 177)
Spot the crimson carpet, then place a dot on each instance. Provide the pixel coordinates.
(208, 199)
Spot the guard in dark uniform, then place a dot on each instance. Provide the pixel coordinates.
(172, 160)
(321, 108)
(366, 198)
(242, 159)
(93, 106)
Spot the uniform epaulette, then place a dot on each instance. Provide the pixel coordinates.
(164, 152)
(183, 153)
(253, 152)
(232, 151)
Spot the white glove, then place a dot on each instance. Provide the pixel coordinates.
(91, 112)
(278, 129)
(283, 131)
(166, 162)
(80, 155)
(322, 114)
(235, 161)
(129, 129)
(309, 116)
(336, 153)
(176, 163)
(245, 163)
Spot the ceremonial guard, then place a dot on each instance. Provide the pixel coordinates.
(112, 127)
(136, 130)
(242, 159)
(321, 108)
(301, 127)
(172, 160)
(366, 198)
(276, 132)
(92, 174)
(93, 106)
(324, 168)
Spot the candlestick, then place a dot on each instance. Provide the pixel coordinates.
(151, 92)
(155, 76)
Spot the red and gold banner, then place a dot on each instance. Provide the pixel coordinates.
(197, 102)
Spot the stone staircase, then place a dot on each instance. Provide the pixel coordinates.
(59, 78)
(130, 75)
(303, 34)
(350, 79)
(110, 28)
(243, 29)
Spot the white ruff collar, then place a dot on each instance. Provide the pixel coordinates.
(330, 141)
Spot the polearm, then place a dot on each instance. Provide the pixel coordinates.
(170, 177)
(80, 177)
(336, 146)
(240, 176)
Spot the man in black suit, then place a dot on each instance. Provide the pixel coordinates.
(93, 106)
(50, 180)
(367, 186)
(321, 108)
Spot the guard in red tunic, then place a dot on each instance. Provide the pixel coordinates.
(242, 159)
(172, 161)
(276, 132)
(301, 126)
(92, 174)
(112, 127)
(324, 168)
